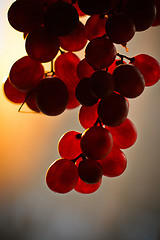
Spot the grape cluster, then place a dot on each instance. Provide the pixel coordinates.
(101, 83)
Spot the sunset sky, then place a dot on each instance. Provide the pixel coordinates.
(124, 208)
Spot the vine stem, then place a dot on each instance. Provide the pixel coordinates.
(123, 56)
(25, 100)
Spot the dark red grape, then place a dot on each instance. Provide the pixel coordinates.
(128, 80)
(102, 84)
(91, 7)
(100, 53)
(141, 12)
(120, 28)
(52, 96)
(114, 164)
(65, 68)
(41, 45)
(90, 171)
(26, 74)
(113, 110)
(62, 176)
(124, 135)
(24, 16)
(96, 142)
(88, 116)
(75, 41)
(61, 18)
(95, 27)
(69, 145)
(149, 67)
(84, 92)
(12, 93)
(84, 70)
(31, 101)
(157, 18)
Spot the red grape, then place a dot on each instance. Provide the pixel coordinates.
(95, 27)
(52, 96)
(72, 102)
(128, 80)
(90, 171)
(113, 110)
(26, 74)
(102, 84)
(12, 93)
(91, 7)
(65, 68)
(41, 45)
(149, 67)
(141, 12)
(124, 135)
(61, 18)
(120, 28)
(100, 53)
(157, 18)
(69, 145)
(84, 92)
(88, 116)
(114, 164)
(31, 101)
(87, 188)
(75, 41)
(84, 70)
(24, 16)
(62, 176)
(96, 142)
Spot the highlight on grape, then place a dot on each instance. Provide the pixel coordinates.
(100, 83)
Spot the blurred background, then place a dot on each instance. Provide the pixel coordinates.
(124, 208)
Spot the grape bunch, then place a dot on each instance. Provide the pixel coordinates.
(100, 83)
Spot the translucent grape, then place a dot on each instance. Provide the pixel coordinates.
(41, 45)
(69, 145)
(12, 93)
(114, 164)
(75, 41)
(84, 70)
(96, 142)
(88, 116)
(149, 67)
(124, 135)
(95, 27)
(31, 101)
(62, 176)
(65, 68)
(26, 74)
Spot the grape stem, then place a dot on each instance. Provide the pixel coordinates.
(123, 56)
(79, 156)
(25, 99)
